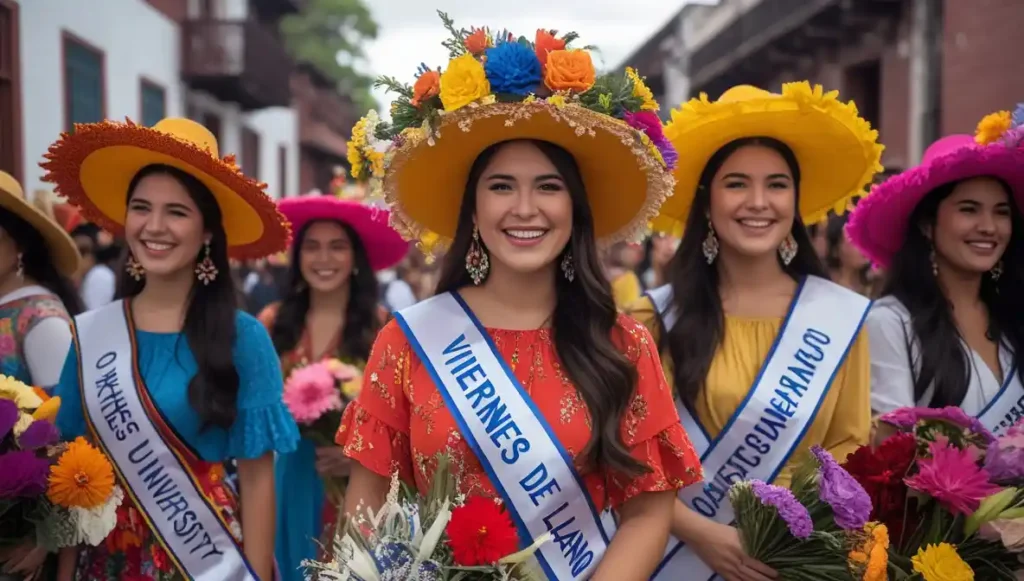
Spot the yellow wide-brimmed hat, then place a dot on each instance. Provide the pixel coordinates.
(62, 248)
(837, 150)
(499, 88)
(93, 167)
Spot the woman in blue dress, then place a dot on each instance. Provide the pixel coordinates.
(172, 381)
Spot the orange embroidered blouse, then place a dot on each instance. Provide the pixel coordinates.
(400, 422)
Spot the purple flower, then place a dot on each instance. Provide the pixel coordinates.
(23, 474)
(1018, 115)
(1004, 459)
(850, 503)
(790, 510)
(39, 433)
(8, 417)
(650, 124)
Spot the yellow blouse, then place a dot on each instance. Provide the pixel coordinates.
(626, 289)
(844, 420)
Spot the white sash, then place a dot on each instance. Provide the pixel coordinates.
(186, 525)
(757, 441)
(1007, 407)
(523, 458)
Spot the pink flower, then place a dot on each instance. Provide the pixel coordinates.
(953, 477)
(1009, 531)
(908, 418)
(310, 392)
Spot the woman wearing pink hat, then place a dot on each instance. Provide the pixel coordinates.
(949, 328)
(329, 310)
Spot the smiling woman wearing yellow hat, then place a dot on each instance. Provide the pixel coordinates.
(748, 321)
(195, 382)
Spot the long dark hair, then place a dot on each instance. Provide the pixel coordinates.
(699, 329)
(943, 360)
(584, 317)
(209, 324)
(361, 320)
(37, 262)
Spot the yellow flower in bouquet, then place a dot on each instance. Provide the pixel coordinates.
(348, 376)
(22, 395)
(870, 558)
(82, 478)
(941, 563)
(47, 411)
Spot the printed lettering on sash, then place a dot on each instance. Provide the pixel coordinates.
(1007, 407)
(152, 474)
(760, 437)
(525, 462)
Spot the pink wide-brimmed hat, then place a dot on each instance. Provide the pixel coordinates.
(878, 225)
(384, 246)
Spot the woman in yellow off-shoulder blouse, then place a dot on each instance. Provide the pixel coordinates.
(765, 355)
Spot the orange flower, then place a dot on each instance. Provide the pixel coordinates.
(569, 70)
(427, 86)
(41, 393)
(476, 43)
(47, 411)
(544, 43)
(83, 477)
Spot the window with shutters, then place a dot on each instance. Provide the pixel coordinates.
(154, 103)
(84, 78)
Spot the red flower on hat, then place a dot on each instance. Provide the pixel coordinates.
(481, 532)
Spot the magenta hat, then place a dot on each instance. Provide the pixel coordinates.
(878, 225)
(384, 246)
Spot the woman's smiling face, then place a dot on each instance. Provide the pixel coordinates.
(163, 226)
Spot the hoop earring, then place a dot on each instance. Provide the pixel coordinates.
(788, 248)
(21, 266)
(134, 267)
(995, 273)
(206, 271)
(710, 244)
(567, 267)
(478, 264)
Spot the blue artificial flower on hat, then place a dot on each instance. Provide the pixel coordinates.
(1018, 115)
(512, 69)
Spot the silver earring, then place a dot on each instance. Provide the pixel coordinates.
(995, 273)
(567, 268)
(787, 250)
(21, 267)
(134, 268)
(355, 271)
(935, 265)
(710, 244)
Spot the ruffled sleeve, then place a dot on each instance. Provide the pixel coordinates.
(71, 415)
(263, 423)
(374, 430)
(651, 428)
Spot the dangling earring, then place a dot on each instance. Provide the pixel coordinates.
(206, 271)
(477, 262)
(787, 250)
(567, 268)
(995, 273)
(355, 271)
(21, 267)
(935, 265)
(710, 244)
(134, 268)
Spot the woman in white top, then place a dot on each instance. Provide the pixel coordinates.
(949, 326)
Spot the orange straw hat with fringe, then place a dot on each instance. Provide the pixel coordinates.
(836, 148)
(93, 167)
(62, 248)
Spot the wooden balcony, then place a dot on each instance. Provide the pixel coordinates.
(238, 61)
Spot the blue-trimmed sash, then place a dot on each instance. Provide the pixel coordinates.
(1007, 407)
(524, 460)
(757, 441)
(154, 476)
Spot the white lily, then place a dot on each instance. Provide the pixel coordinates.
(361, 563)
(521, 556)
(433, 534)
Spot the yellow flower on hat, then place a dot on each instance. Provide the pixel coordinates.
(992, 127)
(463, 82)
(640, 89)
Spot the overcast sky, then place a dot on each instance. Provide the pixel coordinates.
(411, 32)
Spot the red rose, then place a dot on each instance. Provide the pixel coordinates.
(481, 532)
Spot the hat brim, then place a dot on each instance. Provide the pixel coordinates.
(837, 151)
(878, 225)
(384, 246)
(62, 247)
(94, 166)
(624, 180)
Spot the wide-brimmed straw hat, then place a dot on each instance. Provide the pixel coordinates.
(837, 150)
(62, 248)
(384, 246)
(878, 225)
(499, 88)
(94, 165)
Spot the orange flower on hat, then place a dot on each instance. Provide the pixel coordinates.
(83, 477)
(992, 127)
(427, 86)
(569, 70)
(544, 43)
(477, 42)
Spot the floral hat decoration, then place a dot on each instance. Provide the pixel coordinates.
(836, 148)
(499, 87)
(93, 166)
(878, 225)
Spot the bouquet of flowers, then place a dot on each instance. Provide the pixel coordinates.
(950, 494)
(817, 529)
(438, 537)
(56, 495)
(317, 393)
